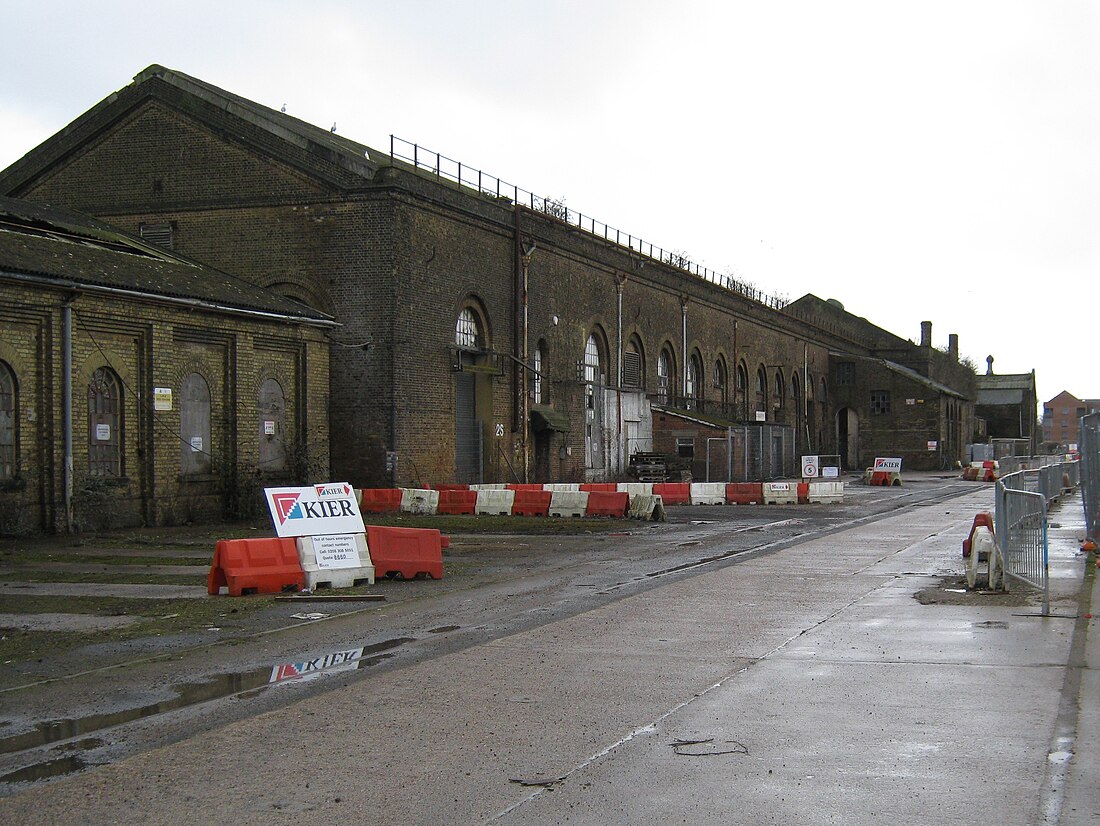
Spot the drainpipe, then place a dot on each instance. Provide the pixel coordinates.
(619, 280)
(67, 406)
(528, 251)
(683, 347)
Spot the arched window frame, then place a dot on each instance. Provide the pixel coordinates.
(666, 375)
(538, 386)
(9, 423)
(693, 381)
(195, 425)
(106, 424)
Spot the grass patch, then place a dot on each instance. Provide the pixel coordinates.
(154, 617)
(105, 577)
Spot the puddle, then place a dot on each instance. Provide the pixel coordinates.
(443, 629)
(42, 771)
(222, 685)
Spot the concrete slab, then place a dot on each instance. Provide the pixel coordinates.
(62, 622)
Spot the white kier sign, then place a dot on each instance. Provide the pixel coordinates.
(317, 510)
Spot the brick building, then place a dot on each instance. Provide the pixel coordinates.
(1062, 420)
(485, 335)
(190, 388)
(891, 396)
(1008, 404)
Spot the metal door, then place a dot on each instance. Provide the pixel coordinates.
(467, 431)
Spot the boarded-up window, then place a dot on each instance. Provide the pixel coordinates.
(160, 234)
(194, 425)
(8, 419)
(105, 423)
(272, 404)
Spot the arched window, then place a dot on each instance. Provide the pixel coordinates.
(468, 334)
(666, 376)
(194, 425)
(634, 364)
(721, 381)
(272, 410)
(8, 420)
(593, 372)
(796, 392)
(693, 390)
(105, 423)
(761, 388)
(824, 397)
(780, 390)
(537, 384)
(743, 390)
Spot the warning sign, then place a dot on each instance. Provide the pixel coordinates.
(811, 467)
(336, 551)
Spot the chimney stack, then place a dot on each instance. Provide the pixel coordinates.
(989, 365)
(926, 334)
(953, 346)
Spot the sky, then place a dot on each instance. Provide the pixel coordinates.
(917, 161)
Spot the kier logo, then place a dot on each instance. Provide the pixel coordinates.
(315, 510)
(285, 506)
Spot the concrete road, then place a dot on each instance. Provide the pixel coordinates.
(805, 685)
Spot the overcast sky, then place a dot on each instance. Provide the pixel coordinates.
(916, 160)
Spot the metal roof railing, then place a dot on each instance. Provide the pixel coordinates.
(449, 169)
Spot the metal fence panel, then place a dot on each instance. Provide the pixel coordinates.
(1090, 473)
(1021, 531)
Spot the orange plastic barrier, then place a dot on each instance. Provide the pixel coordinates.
(455, 502)
(379, 500)
(607, 503)
(600, 487)
(407, 552)
(673, 493)
(880, 478)
(532, 502)
(985, 518)
(970, 474)
(744, 493)
(260, 566)
(803, 493)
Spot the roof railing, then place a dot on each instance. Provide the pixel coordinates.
(449, 169)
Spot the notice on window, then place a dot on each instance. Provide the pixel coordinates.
(103, 432)
(162, 398)
(933, 445)
(196, 444)
(269, 428)
(336, 551)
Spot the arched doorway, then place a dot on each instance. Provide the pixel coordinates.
(847, 437)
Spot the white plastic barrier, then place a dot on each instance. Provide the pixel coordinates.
(335, 561)
(635, 488)
(983, 546)
(826, 492)
(647, 506)
(565, 487)
(419, 500)
(708, 493)
(779, 493)
(568, 503)
(489, 486)
(494, 502)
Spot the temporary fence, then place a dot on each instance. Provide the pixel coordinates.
(1089, 445)
(1021, 518)
(1022, 501)
(752, 453)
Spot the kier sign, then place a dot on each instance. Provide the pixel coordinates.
(316, 510)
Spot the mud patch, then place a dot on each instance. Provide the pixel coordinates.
(952, 590)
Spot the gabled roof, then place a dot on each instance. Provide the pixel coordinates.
(830, 316)
(319, 153)
(907, 372)
(55, 248)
